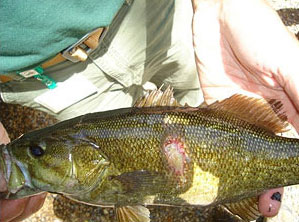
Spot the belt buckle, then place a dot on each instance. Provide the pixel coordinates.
(68, 52)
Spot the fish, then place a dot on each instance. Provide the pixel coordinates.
(158, 153)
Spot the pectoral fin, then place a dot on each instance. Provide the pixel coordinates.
(246, 209)
(141, 182)
(136, 213)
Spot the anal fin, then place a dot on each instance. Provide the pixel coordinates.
(136, 213)
(246, 209)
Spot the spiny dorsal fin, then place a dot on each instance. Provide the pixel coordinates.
(266, 114)
(136, 213)
(246, 209)
(157, 98)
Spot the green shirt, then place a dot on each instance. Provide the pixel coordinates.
(32, 31)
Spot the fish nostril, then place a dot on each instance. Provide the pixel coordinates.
(36, 150)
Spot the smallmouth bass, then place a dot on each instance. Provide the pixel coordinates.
(158, 155)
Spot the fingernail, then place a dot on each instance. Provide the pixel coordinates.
(276, 196)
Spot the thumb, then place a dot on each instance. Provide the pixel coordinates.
(3, 140)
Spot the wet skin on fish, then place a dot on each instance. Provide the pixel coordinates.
(219, 154)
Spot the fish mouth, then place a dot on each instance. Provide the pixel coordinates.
(10, 170)
(5, 170)
(5, 163)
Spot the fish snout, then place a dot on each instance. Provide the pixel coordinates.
(11, 176)
(4, 165)
(3, 184)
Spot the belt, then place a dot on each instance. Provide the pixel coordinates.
(75, 53)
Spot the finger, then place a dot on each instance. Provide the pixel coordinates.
(290, 82)
(4, 139)
(33, 205)
(10, 209)
(209, 54)
(3, 187)
(269, 202)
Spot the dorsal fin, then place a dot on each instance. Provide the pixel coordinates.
(157, 98)
(265, 114)
(258, 111)
(246, 209)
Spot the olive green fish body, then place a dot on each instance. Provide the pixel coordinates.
(160, 155)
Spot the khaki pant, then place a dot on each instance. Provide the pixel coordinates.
(150, 40)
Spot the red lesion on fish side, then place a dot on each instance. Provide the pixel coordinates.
(174, 150)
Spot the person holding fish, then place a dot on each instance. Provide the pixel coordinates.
(235, 53)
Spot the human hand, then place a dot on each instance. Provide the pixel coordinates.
(16, 210)
(242, 46)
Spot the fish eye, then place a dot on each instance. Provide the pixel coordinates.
(36, 150)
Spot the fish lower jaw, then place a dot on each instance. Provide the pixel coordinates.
(6, 161)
